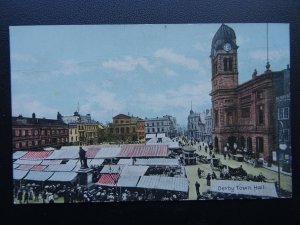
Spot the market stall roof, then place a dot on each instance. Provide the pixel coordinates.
(15, 165)
(96, 162)
(157, 162)
(112, 169)
(60, 167)
(91, 151)
(25, 167)
(143, 151)
(128, 181)
(108, 179)
(164, 183)
(38, 175)
(125, 162)
(262, 189)
(47, 162)
(108, 152)
(19, 154)
(63, 176)
(38, 167)
(37, 155)
(72, 162)
(64, 153)
(134, 170)
(49, 149)
(19, 174)
(30, 162)
(172, 144)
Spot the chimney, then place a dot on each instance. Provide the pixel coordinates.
(33, 115)
(254, 74)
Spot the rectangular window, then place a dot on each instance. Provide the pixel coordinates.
(246, 113)
(17, 133)
(260, 95)
(148, 130)
(283, 113)
(23, 132)
(29, 132)
(158, 130)
(17, 145)
(261, 115)
(259, 145)
(153, 130)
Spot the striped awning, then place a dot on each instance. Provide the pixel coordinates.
(37, 155)
(25, 167)
(108, 179)
(38, 167)
(129, 151)
(92, 151)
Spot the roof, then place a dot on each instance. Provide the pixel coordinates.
(38, 167)
(61, 167)
(30, 162)
(134, 170)
(15, 165)
(143, 151)
(37, 155)
(157, 162)
(38, 175)
(108, 152)
(112, 169)
(224, 34)
(25, 167)
(19, 174)
(108, 179)
(121, 116)
(164, 183)
(51, 162)
(63, 176)
(20, 120)
(96, 162)
(92, 151)
(19, 154)
(164, 141)
(128, 181)
(188, 149)
(125, 162)
(65, 153)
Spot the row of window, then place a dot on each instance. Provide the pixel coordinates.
(25, 144)
(124, 130)
(157, 130)
(157, 124)
(24, 132)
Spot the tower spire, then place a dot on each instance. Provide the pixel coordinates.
(268, 63)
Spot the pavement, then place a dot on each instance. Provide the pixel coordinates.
(271, 173)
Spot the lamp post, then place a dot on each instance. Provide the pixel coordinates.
(282, 147)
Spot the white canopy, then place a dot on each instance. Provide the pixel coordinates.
(15, 165)
(125, 162)
(157, 162)
(96, 162)
(128, 181)
(60, 167)
(28, 162)
(51, 162)
(112, 169)
(38, 176)
(63, 176)
(19, 174)
(72, 162)
(19, 154)
(134, 170)
(107, 152)
(164, 183)
(244, 188)
(64, 153)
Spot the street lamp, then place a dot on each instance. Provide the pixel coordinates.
(282, 147)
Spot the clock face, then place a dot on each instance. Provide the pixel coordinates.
(227, 47)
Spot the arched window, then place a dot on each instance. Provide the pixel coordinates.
(227, 64)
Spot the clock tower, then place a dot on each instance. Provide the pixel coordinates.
(224, 84)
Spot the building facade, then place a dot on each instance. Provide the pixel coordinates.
(140, 129)
(208, 126)
(196, 128)
(243, 115)
(166, 124)
(123, 128)
(37, 133)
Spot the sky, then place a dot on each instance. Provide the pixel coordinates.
(142, 70)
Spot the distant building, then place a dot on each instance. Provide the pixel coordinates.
(166, 124)
(124, 128)
(208, 126)
(37, 133)
(140, 129)
(82, 129)
(195, 127)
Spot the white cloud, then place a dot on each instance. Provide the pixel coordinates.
(128, 64)
(70, 67)
(169, 72)
(174, 58)
(274, 55)
(28, 104)
(101, 102)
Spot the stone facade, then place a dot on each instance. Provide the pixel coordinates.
(242, 114)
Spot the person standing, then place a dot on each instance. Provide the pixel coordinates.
(208, 178)
(26, 197)
(20, 196)
(197, 185)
